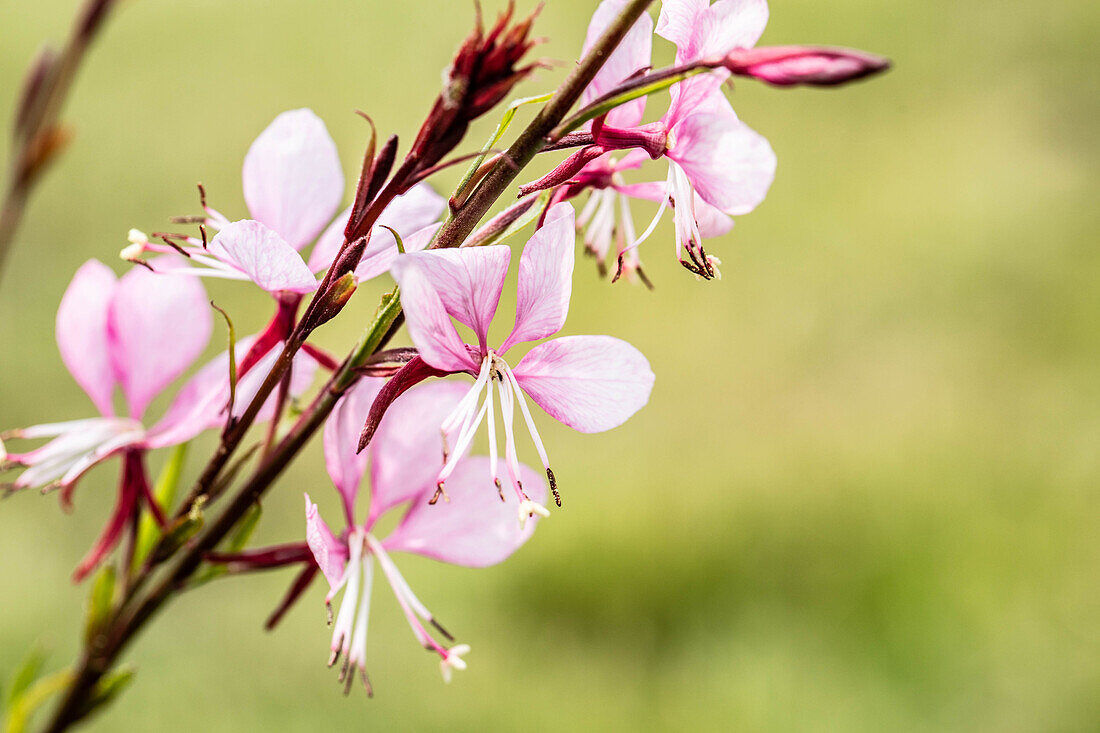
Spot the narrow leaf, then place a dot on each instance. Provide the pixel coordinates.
(101, 600)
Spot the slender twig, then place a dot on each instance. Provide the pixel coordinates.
(38, 136)
(98, 657)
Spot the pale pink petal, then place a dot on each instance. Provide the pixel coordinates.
(631, 55)
(200, 404)
(678, 19)
(380, 259)
(430, 327)
(157, 327)
(713, 222)
(292, 177)
(82, 332)
(409, 213)
(468, 281)
(407, 448)
(728, 24)
(590, 383)
(545, 279)
(341, 438)
(261, 253)
(328, 244)
(475, 528)
(730, 165)
(330, 553)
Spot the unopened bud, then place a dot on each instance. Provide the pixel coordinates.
(335, 298)
(810, 65)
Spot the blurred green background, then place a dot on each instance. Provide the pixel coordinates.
(864, 494)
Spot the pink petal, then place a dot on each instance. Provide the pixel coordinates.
(678, 19)
(407, 448)
(341, 437)
(590, 383)
(380, 259)
(200, 404)
(728, 24)
(158, 326)
(409, 213)
(545, 279)
(475, 528)
(430, 327)
(292, 177)
(730, 165)
(468, 281)
(632, 54)
(261, 253)
(330, 553)
(82, 332)
(329, 243)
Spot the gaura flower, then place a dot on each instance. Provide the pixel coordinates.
(293, 184)
(473, 529)
(717, 166)
(138, 333)
(591, 383)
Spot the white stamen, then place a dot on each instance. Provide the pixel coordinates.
(653, 224)
(359, 635)
(527, 416)
(341, 633)
(507, 413)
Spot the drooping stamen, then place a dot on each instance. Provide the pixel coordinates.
(522, 400)
(493, 458)
(358, 655)
(341, 633)
(399, 586)
(465, 406)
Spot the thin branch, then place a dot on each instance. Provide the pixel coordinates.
(38, 135)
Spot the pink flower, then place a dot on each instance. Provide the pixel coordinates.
(591, 383)
(717, 166)
(138, 333)
(475, 528)
(293, 184)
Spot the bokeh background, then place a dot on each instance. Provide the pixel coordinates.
(864, 494)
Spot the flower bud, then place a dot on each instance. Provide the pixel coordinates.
(810, 65)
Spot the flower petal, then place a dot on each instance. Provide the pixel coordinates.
(82, 332)
(632, 54)
(157, 327)
(409, 213)
(292, 178)
(475, 528)
(728, 24)
(430, 327)
(261, 253)
(678, 19)
(407, 448)
(467, 280)
(341, 437)
(590, 383)
(730, 165)
(377, 260)
(330, 553)
(545, 279)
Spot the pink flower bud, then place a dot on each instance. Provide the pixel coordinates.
(813, 65)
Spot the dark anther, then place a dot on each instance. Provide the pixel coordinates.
(553, 487)
(442, 630)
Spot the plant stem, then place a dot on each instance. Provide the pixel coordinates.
(37, 137)
(103, 652)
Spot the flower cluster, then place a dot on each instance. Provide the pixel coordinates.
(396, 418)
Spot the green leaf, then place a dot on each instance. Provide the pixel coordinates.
(101, 599)
(185, 528)
(594, 110)
(31, 698)
(25, 675)
(108, 688)
(165, 493)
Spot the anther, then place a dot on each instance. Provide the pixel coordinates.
(500, 489)
(553, 486)
(439, 491)
(440, 628)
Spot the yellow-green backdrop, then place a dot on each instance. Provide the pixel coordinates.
(864, 495)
